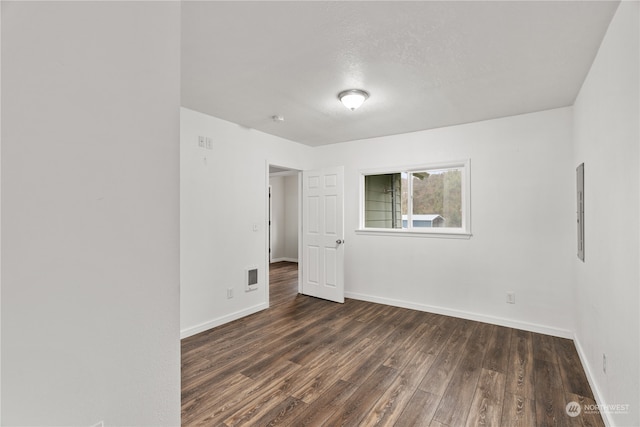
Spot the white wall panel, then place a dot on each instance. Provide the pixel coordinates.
(606, 295)
(90, 213)
(223, 194)
(522, 214)
(292, 199)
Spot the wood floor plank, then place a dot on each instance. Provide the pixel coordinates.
(292, 341)
(310, 362)
(278, 350)
(234, 398)
(356, 407)
(486, 407)
(384, 324)
(393, 401)
(422, 334)
(419, 410)
(438, 377)
(267, 402)
(193, 365)
(257, 405)
(549, 395)
(333, 340)
(217, 375)
(347, 337)
(438, 337)
(518, 411)
(573, 376)
(387, 341)
(520, 374)
(228, 358)
(498, 350)
(458, 397)
(204, 405)
(353, 310)
(369, 314)
(543, 348)
(280, 414)
(249, 328)
(317, 412)
(347, 362)
(239, 397)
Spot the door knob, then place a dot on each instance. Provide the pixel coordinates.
(339, 241)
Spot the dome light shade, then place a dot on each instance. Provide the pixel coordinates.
(353, 98)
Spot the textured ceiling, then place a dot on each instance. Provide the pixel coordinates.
(425, 64)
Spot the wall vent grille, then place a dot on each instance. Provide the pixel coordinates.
(251, 278)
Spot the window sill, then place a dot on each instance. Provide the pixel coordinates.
(413, 233)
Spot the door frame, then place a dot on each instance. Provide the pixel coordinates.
(286, 171)
(269, 216)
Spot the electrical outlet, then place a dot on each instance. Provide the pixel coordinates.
(229, 293)
(511, 297)
(604, 363)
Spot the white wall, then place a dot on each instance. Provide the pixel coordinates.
(278, 198)
(291, 227)
(223, 194)
(90, 228)
(0, 216)
(606, 285)
(522, 216)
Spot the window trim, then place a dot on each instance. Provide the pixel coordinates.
(463, 232)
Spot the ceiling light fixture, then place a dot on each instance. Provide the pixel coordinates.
(353, 98)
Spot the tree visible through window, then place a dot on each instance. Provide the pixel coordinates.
(417, 199)
(435, 192)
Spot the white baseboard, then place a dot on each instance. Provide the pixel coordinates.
(597, 395)
(526, 326)
(193, 330)
(284, 259)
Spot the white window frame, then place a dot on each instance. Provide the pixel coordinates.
(464, 232)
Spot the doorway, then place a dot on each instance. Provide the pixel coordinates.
(283, 230)
(316, 244)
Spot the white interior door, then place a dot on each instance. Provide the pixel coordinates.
(323, 233)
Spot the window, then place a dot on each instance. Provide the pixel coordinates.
(425, 200)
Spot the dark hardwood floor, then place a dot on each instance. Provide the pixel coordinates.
(309, 362)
